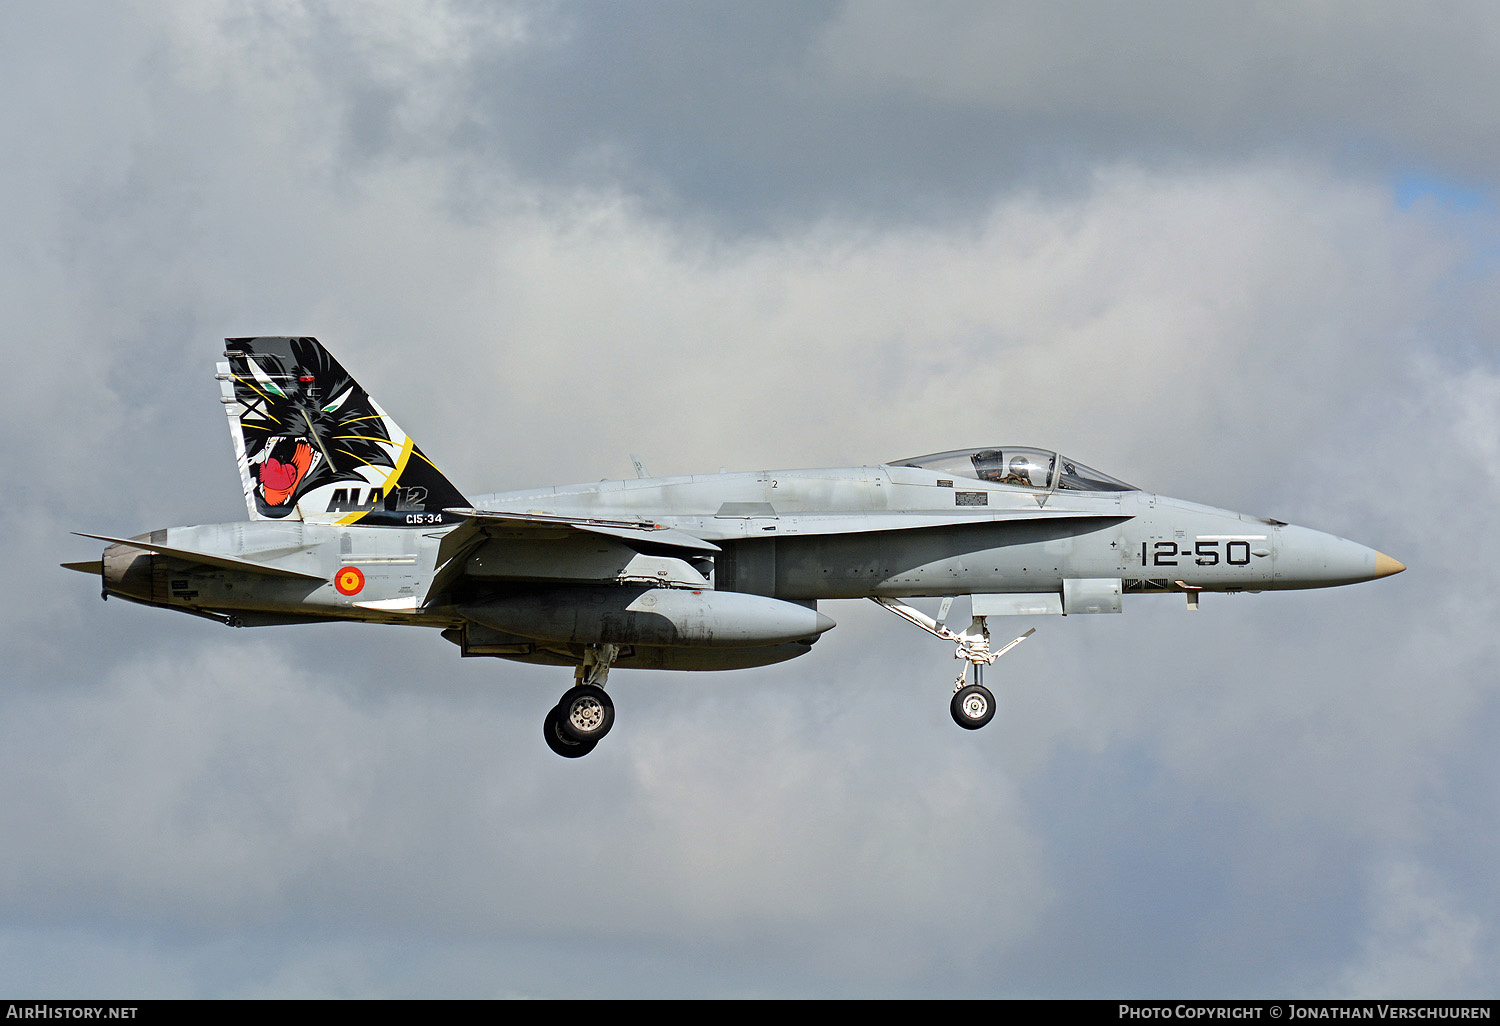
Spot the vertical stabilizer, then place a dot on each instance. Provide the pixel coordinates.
(312, 445)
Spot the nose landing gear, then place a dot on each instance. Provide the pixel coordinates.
(973, 705)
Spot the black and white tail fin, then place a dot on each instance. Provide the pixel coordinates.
(312, 445)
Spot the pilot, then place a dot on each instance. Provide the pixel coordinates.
(1020, 472)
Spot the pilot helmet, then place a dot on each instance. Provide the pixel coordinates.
(1020, 467)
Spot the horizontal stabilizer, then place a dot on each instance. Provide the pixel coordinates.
(643, 531)
(205, 558)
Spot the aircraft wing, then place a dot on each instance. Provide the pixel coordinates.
(699, 534)
(705, 529)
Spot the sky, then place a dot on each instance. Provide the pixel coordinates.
(1246, 255)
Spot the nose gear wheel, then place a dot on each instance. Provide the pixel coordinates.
(972, 706)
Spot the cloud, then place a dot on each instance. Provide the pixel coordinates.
(1417, 943)
(1344, 80)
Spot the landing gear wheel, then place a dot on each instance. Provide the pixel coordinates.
(972, 707)
(566, 747)
(585, 714)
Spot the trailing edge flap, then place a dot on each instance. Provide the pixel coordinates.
(206, 558)
(643, 532)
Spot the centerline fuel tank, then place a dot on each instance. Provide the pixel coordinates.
(649, 616)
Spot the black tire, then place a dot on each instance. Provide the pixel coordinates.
(567, 748)
(585, 714)
(972, 707)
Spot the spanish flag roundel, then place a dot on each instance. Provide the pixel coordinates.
(349, 580)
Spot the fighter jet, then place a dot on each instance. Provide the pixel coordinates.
(350, 520)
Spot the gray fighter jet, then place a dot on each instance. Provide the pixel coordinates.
(349, 520)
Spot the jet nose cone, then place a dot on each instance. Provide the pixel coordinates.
(1312, 559)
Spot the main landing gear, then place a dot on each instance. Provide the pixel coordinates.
(973, 705)
(585, 712)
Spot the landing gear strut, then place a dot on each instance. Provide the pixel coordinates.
(585, 712)
(973, 705)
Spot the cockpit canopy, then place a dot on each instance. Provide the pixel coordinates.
(1039, 469)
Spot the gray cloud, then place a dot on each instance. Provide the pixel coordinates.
(753, 117)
